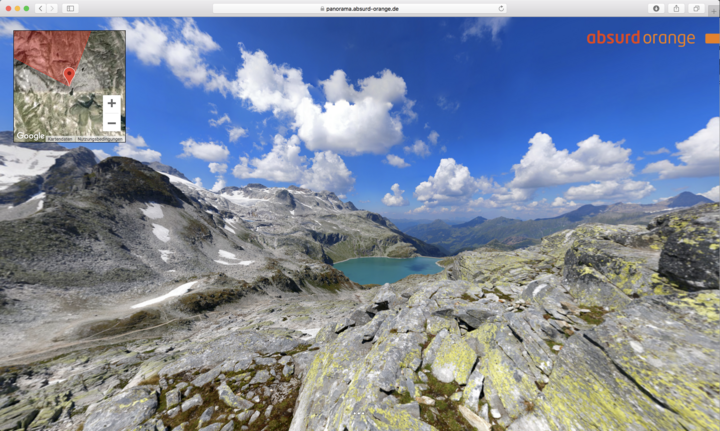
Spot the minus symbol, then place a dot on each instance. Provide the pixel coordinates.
(111, 123)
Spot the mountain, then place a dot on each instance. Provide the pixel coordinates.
(687, 199)
(479, 231)
(165, 169)
(116, 232)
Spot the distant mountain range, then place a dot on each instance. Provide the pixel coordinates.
(505, 233)
(404, 223)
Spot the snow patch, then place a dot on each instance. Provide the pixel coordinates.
(181, 290)
(292, 212)
(20, 163)
(229, 229)
(227, 254)
(162, 233)
(165, 254)
(40, 205)
(243, 263)
(171, 270)
(153, 211)
(538, 289)
(310, 332)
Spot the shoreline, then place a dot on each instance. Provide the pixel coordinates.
(386, 257)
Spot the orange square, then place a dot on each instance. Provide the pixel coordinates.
(712, 38)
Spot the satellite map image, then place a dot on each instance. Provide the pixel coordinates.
(69, 86)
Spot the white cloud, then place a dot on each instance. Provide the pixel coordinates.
(218, 168)
(698, 154)
(198, 182)
(433, 137)
(443, 149)
(396, 161)
(395, 199)
(622, 190)
(480, 27)
(426, 126)
(285, 164)
(220, 121)
(560, 202)
(594, 160)
(513, 195)
(101, 155)
(656, 152)
(214, 108)
(366, 119)
(356, 121)
(131, 149)
(447, 105)
(282, 164)
(419, 148)
(451, 185)
(208, 151)
(713, 194)
(181, 47)
(219, 185)
(7, 26)
(328, 172)
(236, 133)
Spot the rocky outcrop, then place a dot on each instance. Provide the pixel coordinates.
(591, 330)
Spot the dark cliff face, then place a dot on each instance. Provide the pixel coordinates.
(130, 180)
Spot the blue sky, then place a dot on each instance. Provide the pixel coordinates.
(519, 117)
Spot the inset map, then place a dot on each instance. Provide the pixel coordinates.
(60, 78)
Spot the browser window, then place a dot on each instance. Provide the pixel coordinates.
(413, 215)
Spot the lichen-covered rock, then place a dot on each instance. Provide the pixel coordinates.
(437, 323)
(472, 391)
(227, 396)
(607, 274)
(650, 366)
(454, 360)
(691, 254)
(192, 402)
(123, 411)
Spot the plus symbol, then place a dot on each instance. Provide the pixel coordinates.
(112, 103)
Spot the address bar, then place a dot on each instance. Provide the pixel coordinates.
(359, 9)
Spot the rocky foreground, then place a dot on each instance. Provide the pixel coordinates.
(598, 328)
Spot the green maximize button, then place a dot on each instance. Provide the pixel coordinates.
(26, 8)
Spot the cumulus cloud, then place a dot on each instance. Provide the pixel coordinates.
(282, 164)
(396, 161)
(560, 202)
(698, 155)
(218, 168)
(713, 194)
(132, 149)
(433, 137)
(452, 184)
(236, 133)
(101, 155)
(355, 119)
(443, 149)
(395, 199)
(285, 164)
(328, 172)
(481, 27)
(181, 46)
(656, 152)
(622, 190)
(419, 148)
(207, 151)
(220, 121)
(198, 182)
(7, 26)
(447, 105)
(594, 160)
(219, 185)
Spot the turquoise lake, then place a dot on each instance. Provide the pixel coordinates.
(381, 270)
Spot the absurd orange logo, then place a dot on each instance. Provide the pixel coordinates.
(636, 38)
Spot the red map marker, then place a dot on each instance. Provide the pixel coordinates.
(69, 74)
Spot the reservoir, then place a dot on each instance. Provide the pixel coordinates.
(381, 270)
